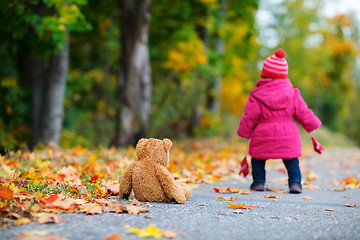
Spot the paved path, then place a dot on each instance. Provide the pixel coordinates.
(299, 216)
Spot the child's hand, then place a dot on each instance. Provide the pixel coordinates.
(244, 167)
(317, 146)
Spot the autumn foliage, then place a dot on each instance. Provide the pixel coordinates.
(38, 185)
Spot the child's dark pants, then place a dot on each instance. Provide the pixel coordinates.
(292, 166)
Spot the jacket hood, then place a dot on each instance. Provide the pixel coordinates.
(274, 93)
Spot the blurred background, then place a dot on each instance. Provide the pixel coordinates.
(105, 73)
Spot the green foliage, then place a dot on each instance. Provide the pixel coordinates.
(33, 28)
(187, 60)
(321, 54)
(193, 44)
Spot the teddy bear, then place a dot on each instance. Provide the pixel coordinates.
(148, 176)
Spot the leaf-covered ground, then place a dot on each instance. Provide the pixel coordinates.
(38, 186)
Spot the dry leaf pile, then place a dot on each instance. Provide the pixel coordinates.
(38, 185)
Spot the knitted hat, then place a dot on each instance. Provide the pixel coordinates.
(275, 66)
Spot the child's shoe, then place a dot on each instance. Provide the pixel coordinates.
(295, 188)
(257, 187)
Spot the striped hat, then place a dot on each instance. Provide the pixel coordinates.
(275, 66)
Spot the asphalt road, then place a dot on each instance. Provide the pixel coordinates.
(291, 216)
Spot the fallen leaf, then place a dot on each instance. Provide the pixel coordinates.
(350, 205)
(244, 191)
(150, 231)
(44, 218)
(271, 196)
(153, 231)
(227, 198)
(114, 237)
(38, 235)
(50, 199)
(170, 234)
(14, 215)
(6, 192)
(350, 180)
(227, 190)
(136, 202)
(311, 176)
(23, 221)
(276, 190)
(112, 188)
(8, 173)
(63, 204)
(92, 208)
(282, 170)
(329, 210)
(116, 208)
(135, 209)
(239, 206)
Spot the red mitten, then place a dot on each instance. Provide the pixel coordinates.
(244, 167)
(317, 146)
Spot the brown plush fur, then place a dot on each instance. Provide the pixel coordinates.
(148, 176)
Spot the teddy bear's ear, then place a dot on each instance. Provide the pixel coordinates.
(141, 143)
(167, 144)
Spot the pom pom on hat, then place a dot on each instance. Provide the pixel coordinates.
(280, 53)
(275, 66)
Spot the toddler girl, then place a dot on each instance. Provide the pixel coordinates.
(268, 121)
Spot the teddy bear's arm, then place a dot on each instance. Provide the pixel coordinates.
(126, 183)
(169, 185)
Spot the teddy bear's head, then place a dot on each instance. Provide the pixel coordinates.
(155, 150)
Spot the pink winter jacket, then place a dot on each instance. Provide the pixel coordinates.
(268, 120)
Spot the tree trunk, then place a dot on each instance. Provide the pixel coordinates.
(37, 76)
(134, 82)
(53, 97)
(214, 100)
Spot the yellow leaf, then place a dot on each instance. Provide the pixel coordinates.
(92, 159)
(350, 180)
(39, 195)
(239, 206)
(23, 221)
(272, 196)
(8, 173)
(150, 231)
(34, 175)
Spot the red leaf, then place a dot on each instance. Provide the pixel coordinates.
(50, 199)
(6, 192)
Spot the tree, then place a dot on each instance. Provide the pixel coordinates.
(36, 40)
(134, 82)
(53, 97)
